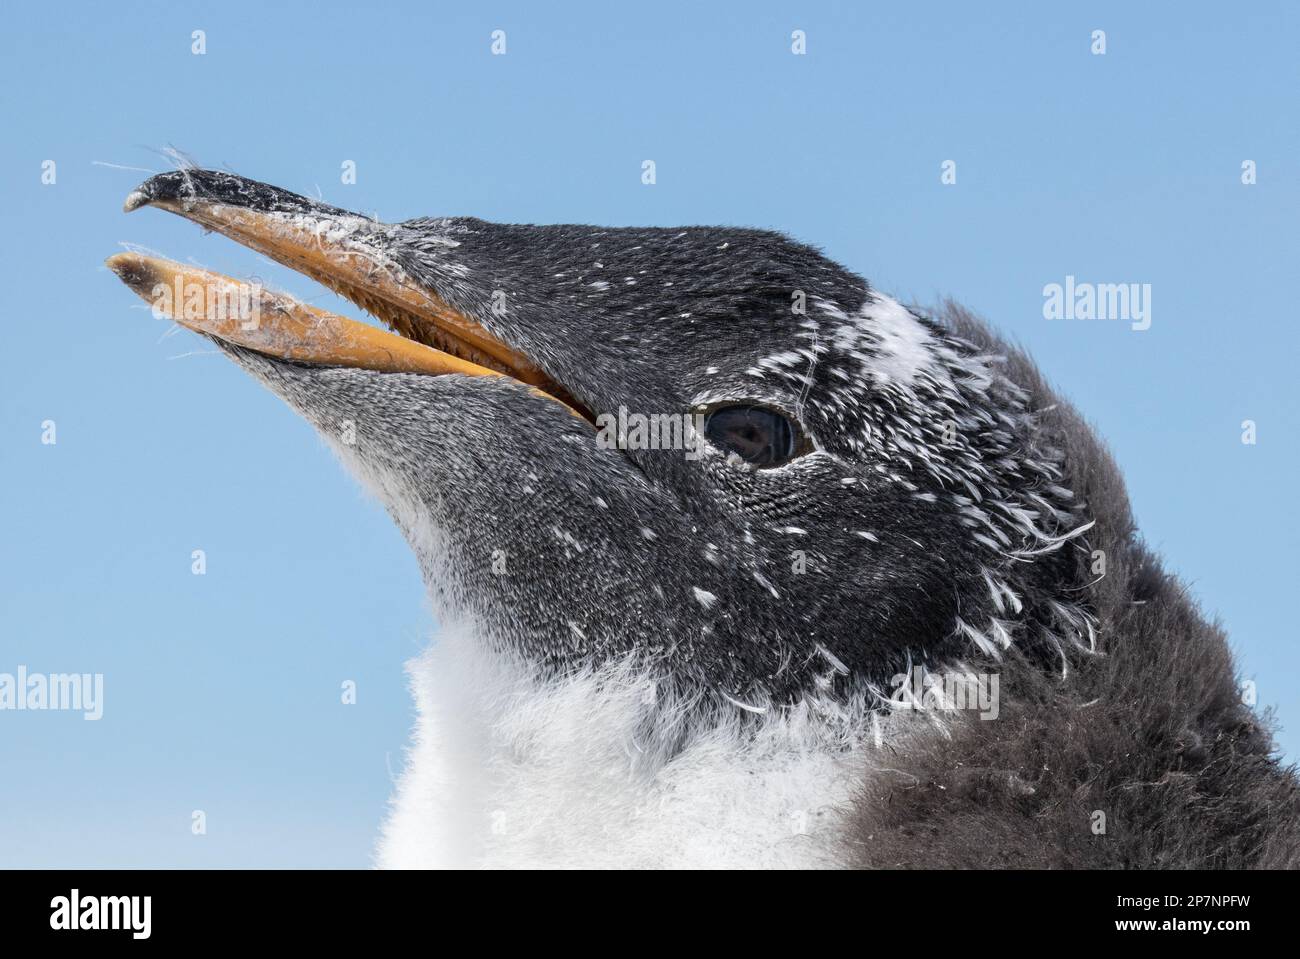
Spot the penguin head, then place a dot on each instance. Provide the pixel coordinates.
(710, 452)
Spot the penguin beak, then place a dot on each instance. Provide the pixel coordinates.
(275, 324)
(341, 250)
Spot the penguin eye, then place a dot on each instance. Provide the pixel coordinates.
(756, 434)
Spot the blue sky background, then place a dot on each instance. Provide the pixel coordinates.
(222, 691)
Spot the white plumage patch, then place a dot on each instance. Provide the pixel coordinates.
(604, 770)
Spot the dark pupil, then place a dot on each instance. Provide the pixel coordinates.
(755, 434)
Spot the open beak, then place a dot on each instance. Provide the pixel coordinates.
(275, 324)
(333, 247)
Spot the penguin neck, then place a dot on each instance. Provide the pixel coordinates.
(601, 769)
